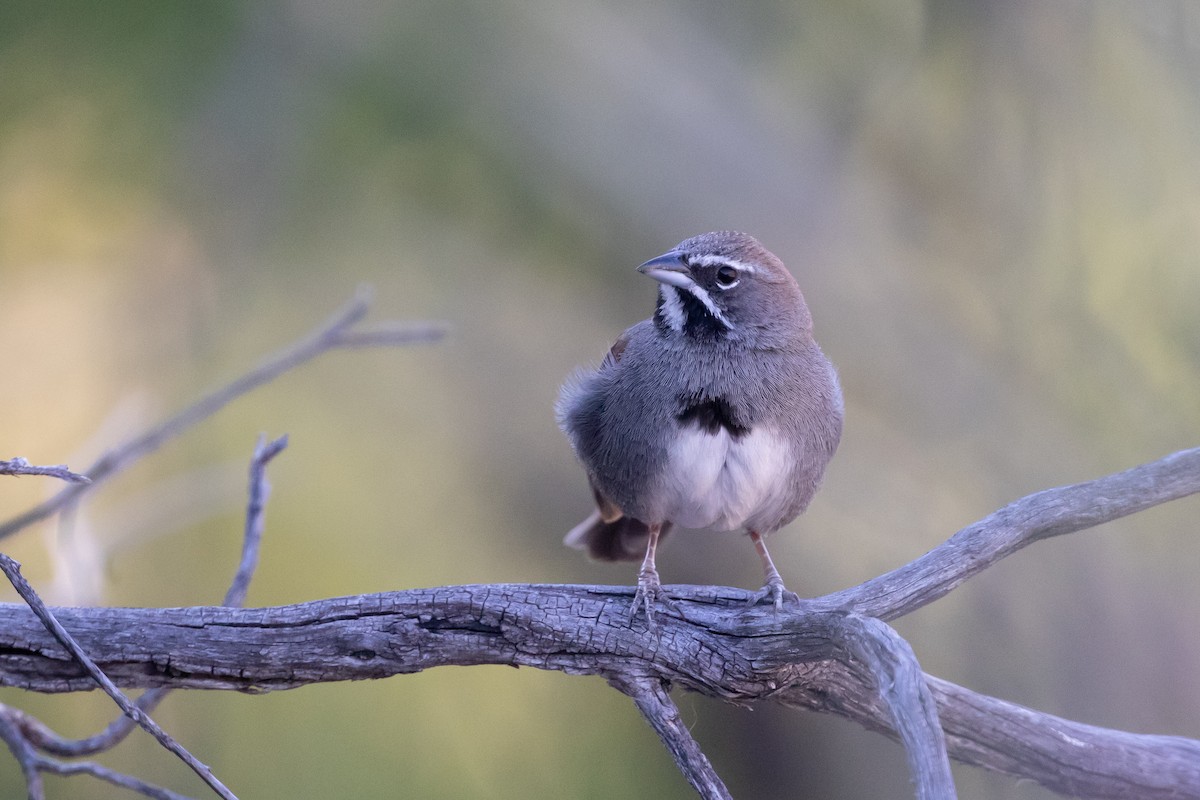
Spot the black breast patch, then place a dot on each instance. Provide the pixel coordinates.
(711, 414)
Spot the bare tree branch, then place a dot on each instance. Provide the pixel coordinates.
(802, 657)
(832, 654)
(23, 732)
(19, 466)
(897, 680)
(1127, 765)
(911, 710)
(1053, 512)
(38, 736)
(259, 491)
(656, 705)
(335, 334)
(110, 776)
(26, 758)
(721, 649)
(13, 571)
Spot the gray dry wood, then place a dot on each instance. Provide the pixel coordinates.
(832, 654)
(721, 650)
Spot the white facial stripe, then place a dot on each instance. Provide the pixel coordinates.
(681, 281)
(672, 308)
(703, 297)
(709, 260)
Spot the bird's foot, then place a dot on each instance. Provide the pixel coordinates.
(650, 591)
(776, 592)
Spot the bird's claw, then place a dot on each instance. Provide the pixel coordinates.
(650, 591)
(776, 592)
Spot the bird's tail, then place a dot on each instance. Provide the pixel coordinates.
(623, 539)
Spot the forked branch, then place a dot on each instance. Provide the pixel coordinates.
(1053, 512)
(337, 333)
(833, 654)
(26, 736)
(803, 657)
(653, 698)
(32, 743)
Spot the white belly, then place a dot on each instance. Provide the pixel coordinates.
(716, 481)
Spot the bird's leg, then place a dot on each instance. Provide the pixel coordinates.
(649, 589)
(774, 587)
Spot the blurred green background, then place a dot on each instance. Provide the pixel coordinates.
(994, 211)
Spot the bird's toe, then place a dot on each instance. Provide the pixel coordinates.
(776, 592)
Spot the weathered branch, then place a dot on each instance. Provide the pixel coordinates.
(20, 466)
(895, 677)
(912, 713)
(107, 775)
(25, 735)
(80, 656)
(336, 333)
(832, 654)
(25, 755)
(1064, 756)
(653, 699)
(1053, 512)
(802, 657)
(40, 736)
(259, 491)
(1105, 763)
(721, 649)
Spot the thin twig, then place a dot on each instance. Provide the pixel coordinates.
(45, 739)
(396, 334)
(14, 733)
(334, 334)
(652, 699)
(111, 776)
(25, 730)
(23, 753)
(13, 570)
(259, 491)
(19, 466)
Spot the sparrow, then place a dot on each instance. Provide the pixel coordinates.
(718, 412)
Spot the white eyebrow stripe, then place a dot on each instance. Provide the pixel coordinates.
(711, 260)
(671, 300)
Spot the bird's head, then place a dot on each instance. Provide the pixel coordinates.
(725, 286)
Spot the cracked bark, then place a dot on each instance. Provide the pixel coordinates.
(833, 654)
(719, 648)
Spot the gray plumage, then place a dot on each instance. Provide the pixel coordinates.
(720, 411)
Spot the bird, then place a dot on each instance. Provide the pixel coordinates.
(720, 411)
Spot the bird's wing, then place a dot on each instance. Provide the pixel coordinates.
(613, 356)
(609, 511)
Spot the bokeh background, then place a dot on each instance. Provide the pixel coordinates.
(993, 208)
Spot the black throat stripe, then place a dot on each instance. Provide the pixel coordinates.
(698, 321)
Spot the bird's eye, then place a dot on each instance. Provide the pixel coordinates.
(727, 276)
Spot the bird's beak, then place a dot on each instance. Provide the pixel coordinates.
(669, 268)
